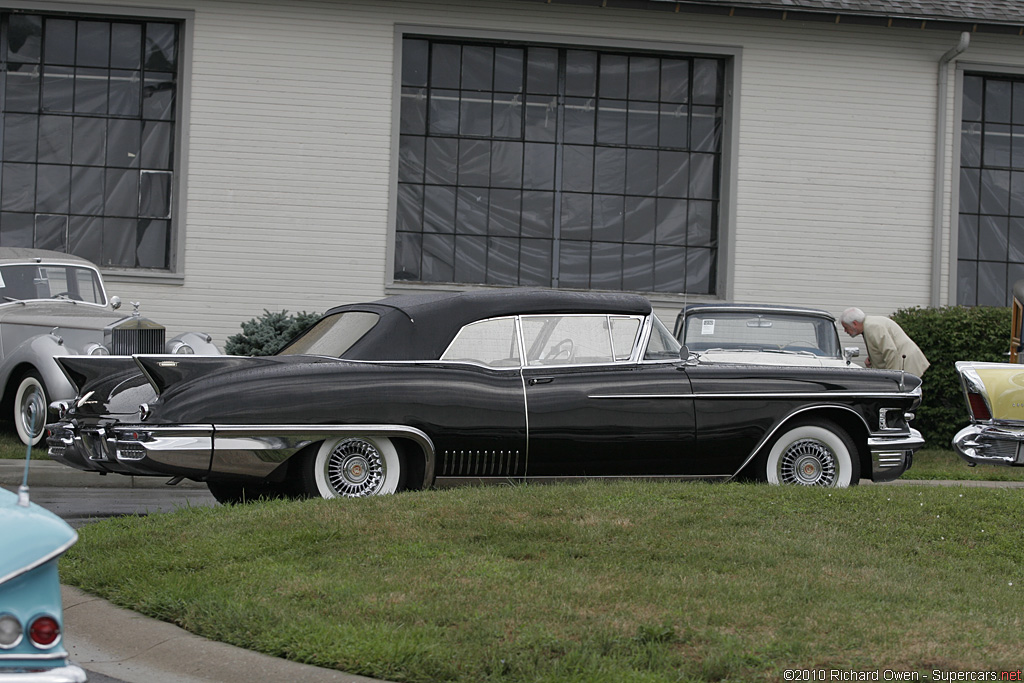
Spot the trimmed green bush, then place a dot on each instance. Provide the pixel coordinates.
(266, 335)
(946, 335)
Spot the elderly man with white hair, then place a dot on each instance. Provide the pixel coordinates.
(889, 347)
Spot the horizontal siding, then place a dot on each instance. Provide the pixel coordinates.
(290, 150)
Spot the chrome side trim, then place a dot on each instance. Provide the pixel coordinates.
(452, 482)
(42, 657)
(237, 450)
(767, 395)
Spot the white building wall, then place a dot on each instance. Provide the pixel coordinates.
(290, 150)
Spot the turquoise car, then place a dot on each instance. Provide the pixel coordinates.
(31, 618)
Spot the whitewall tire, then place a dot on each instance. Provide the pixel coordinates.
(30, 402)
(354, 467)
(813, 454)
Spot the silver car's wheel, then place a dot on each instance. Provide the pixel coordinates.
(354, 467)
(30, 403)
(816, 454)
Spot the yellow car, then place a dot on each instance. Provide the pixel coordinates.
(995, 399)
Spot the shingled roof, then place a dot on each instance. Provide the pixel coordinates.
(989, 16)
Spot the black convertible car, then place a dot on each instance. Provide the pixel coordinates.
(416, 391)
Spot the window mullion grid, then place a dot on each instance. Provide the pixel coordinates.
(556, 227)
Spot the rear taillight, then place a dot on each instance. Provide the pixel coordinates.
(978, 408)
(10, 631)
(44, 631)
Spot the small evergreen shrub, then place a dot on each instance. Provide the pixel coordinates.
(266, 335)
(946, 335)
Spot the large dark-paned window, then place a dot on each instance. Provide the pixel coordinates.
(558, 167)
(88, 117)
(991, 239)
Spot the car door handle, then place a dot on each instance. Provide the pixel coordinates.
(540, 380)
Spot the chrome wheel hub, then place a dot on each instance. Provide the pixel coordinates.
(809, 463)
(33, 412)
(355, 468)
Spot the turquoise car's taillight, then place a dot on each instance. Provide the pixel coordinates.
(44, 631)
(10, 631)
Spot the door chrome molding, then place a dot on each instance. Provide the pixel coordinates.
(765, 395)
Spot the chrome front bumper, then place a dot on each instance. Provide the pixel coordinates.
(891, 456)
(990, 445)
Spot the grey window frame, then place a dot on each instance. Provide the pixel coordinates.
(966, 258)
(731, 55)
(173, 273)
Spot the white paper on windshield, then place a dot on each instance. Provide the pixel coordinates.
(707, 327)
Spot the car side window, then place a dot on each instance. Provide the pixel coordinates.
(662, 346)
(624, 334)
(489, 342)
(87, 284)
(578, 339)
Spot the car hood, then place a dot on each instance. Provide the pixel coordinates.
(30, 536)
(59, 314)
(765, 358)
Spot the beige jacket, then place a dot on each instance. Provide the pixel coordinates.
(887, 344)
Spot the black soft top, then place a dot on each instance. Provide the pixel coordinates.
(421, 326)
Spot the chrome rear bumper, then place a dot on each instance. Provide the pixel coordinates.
(990, 445)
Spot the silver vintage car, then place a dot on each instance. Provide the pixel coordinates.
(54, 304)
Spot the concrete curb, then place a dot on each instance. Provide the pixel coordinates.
(50, 473)
(116, 642)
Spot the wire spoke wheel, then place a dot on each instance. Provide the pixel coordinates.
(813, 454)
(355, 467)
(808, 462)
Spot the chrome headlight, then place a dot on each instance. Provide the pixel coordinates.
(182, 347)
(95, 349)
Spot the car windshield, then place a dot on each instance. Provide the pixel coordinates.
(761, 331)
(27, 282)
(333, 335)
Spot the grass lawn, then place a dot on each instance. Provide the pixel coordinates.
(599, 582)
(11, 447)
(938, 463)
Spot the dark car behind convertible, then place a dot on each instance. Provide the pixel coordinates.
(416, 391)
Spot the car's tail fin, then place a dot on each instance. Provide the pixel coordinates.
(166, 371)
(82, 371)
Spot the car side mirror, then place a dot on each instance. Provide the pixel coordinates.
(686, 355)
(115, 302)
(851, 352)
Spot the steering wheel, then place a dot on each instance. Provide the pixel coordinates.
(563, 350)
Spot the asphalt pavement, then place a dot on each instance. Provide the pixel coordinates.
(127, 646)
